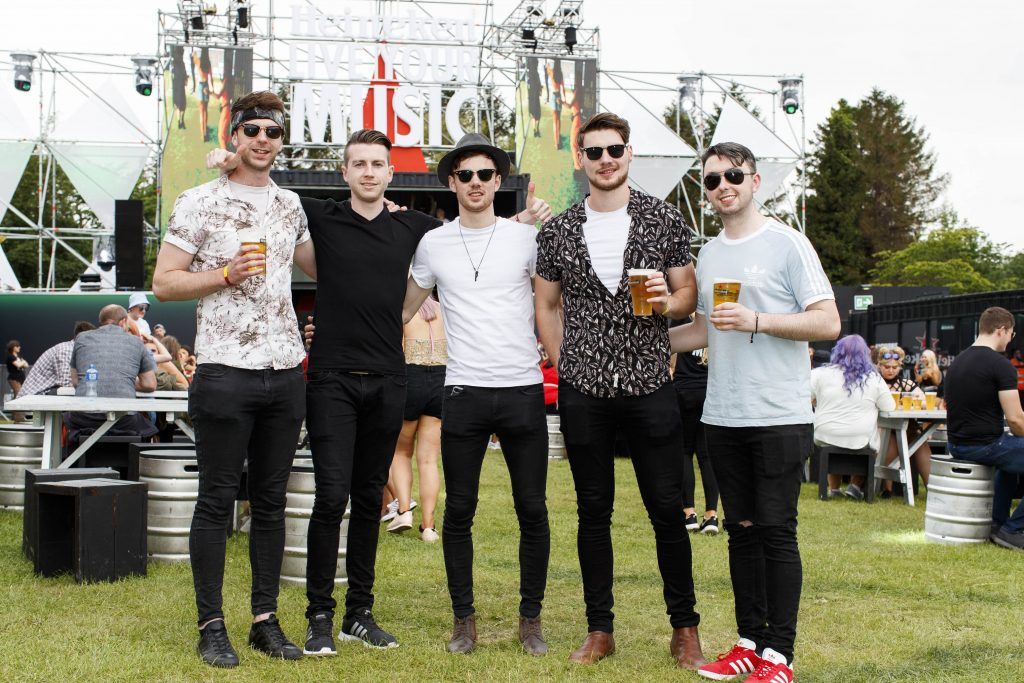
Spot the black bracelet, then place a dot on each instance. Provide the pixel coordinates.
(755, 328)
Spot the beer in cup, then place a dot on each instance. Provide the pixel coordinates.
(726, 291)
(896, 398)
(907, 400)
(252, 238)
(638, 290)
(929, 400)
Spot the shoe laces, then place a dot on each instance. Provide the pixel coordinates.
(271, 629)
(531, 627)
(736, 650)
(320, 627)
(461, 627)
(218, 638)
(367, 621)
(763, 670)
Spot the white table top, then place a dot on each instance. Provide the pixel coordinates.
(913, 414)
(46, 403)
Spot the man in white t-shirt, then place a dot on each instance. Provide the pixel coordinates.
(757, 415)
(483, 267)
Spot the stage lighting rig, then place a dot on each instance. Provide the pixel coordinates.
(144, 74)
(570, 37)
(23, 70)
(689, 85)
(791, 93)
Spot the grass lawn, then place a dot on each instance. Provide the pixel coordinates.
(878, 605)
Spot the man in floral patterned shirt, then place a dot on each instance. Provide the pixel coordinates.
(613, 373)
(248, 396)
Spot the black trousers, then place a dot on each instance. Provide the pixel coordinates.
(759, 471)
(353, 424)
(239, 414)
(653, 430)
(691, 407)
(516, 415)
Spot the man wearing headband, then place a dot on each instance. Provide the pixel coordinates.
(231, 244)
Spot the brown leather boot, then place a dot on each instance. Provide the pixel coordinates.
(596, 646)
(530, 636)
(463, 639)
(685, 648)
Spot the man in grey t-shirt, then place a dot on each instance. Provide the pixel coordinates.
(757, 415)
(123, 365)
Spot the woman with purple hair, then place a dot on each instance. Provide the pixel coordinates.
(848, 393)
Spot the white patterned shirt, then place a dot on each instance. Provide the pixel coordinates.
(251, 325)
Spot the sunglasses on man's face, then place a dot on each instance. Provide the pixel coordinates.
(466, 175)
(251, 130)
(734, 176)
(614, 151)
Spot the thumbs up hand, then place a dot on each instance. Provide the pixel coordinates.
(537, 210)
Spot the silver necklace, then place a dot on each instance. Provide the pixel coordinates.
(476, 266)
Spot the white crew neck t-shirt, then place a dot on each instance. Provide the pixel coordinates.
(257, 196)
(488, 320)
(605, 233)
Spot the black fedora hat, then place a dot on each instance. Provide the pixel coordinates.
(473, 142)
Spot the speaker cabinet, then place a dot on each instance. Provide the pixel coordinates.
(128, 244)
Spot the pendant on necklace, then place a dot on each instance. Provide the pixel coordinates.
(476, 274)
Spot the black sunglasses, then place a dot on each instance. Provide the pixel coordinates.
(251, 130)
(614, 151)
(734, 176)
(466, 175)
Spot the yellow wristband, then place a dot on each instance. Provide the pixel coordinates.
(226, 280)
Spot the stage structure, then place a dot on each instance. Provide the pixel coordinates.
(424, 71)
(86, 128)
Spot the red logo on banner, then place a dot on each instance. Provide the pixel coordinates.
(405, 159)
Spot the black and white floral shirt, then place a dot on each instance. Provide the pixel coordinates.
(606, 350)
(251, 325)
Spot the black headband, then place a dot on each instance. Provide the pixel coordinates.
(240, 117)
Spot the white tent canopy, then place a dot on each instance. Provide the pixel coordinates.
(736, 124)
(661, 158)
(13, 158)
(8, 280)
(773, 175)
(12, 124)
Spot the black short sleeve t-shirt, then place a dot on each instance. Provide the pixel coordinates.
(362, 268)
(973, 383)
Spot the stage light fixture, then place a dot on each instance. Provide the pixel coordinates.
(570, 37)
(689, 84)
(144, 75)
(243, 15)
(105, 256)
(790, 93)
(23, 70)
(197, 22)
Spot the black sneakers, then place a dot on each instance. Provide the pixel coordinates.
(362, 627)
(267, 637)
(320, 636)
(709, 525)
(691, 522)
(1009, 539)
(215, 648)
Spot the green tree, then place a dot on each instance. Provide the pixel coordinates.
(833, 210)
(953, 255)
(900, 181)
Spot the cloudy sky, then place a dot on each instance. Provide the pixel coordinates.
(958, 66)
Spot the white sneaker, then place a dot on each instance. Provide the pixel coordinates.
(429, 535)
(401, 522)
(392, 511)
(413, 504)
(494, 445)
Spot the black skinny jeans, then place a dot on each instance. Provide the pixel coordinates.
(653, 430)
(516, 415)
(239, 414)
(691, 407)
(353, 423)
(759, 470)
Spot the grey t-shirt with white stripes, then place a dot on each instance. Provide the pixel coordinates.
(766, 382)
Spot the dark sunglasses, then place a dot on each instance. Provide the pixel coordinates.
(466, 175)
(734, 176)
(614, 151)
(251, 130)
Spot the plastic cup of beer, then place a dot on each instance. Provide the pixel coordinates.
(915, 403)
(907, 401)
(726, 291)
(930, 400)
(896, 398)
(261, 247)
(638, 290)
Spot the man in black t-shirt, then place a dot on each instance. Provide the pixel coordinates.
(981, 388)
(356, 381)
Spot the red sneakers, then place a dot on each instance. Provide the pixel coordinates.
(739, 660)
(773, 669)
